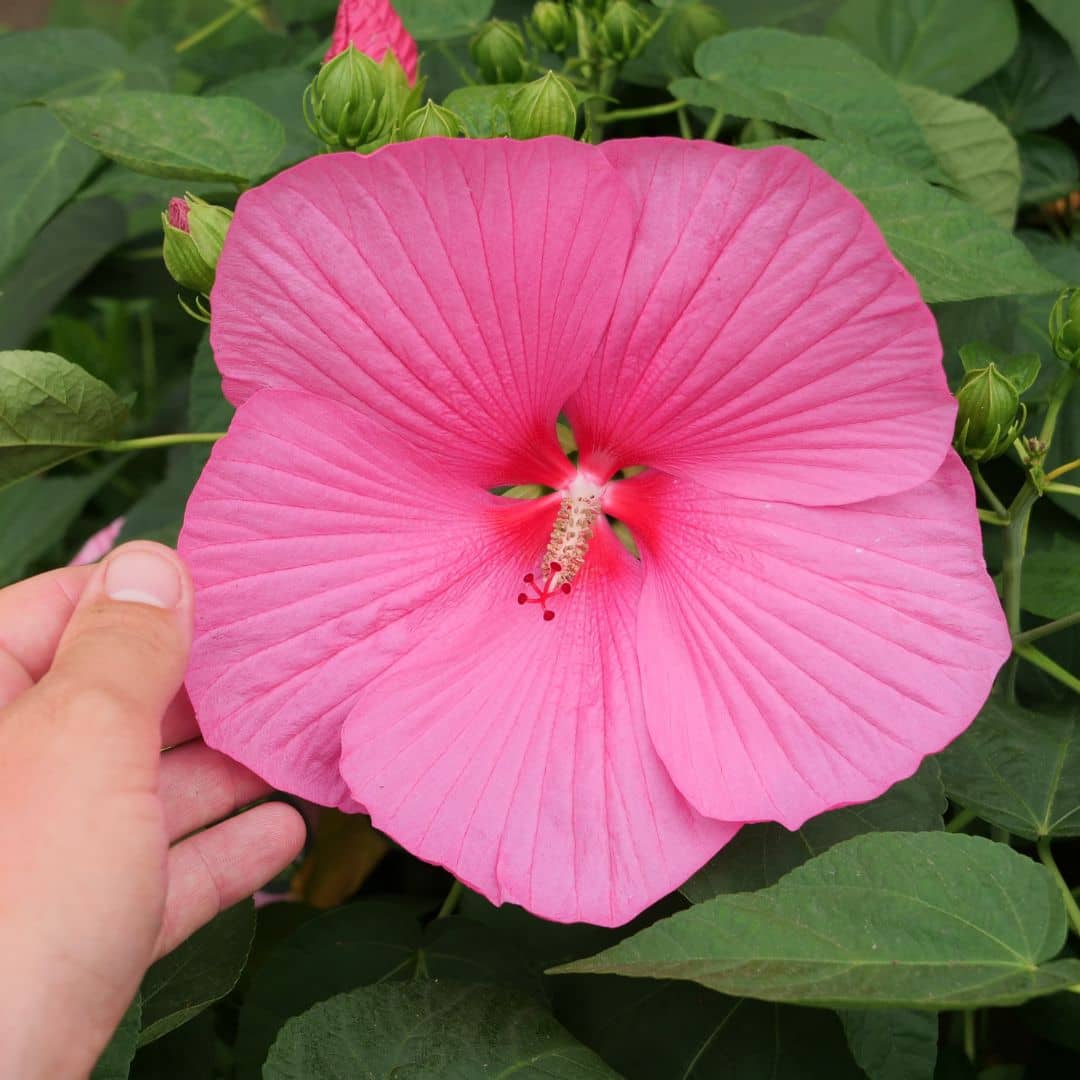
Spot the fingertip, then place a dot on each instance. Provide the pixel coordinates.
(144, 572)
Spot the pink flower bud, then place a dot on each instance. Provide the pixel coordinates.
(375, 28)
(178, 215)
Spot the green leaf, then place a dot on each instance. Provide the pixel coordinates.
(1018, 769)
(658, 1031)
(948, 45)
(974, 149)
(761, 854)
(1039, 86)
(813, 84)
(892, 1044)
(1049, 169)
(453, 1031)
(953, 250)
(363, 943)
(61, 255)
(196, 974)
(1051, 581)
(116, 1058)
(901, 920)
(50, 410)
(41, 167)
(174, 135)
(45, 508)
(483, 109)
(803, 16)
(58, 62)
(446, 19)
(1064, 17)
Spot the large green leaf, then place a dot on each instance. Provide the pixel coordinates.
(67, 249)
(948, 45)
(197, 973)
(423, 1029)
(892, 1044)
(974, 149)
(1019, 769)
(1064, 17)
(902, 920)
(813, 84)
(175, 135)
(761, 854)
(116, 1058)
(955, 251)
(804, 16)
(364, 943)
(1049, 168)
(446, 19)
(60, 62)
(50, 410)
(1051, 582)
(41, 167)
(1040, 84)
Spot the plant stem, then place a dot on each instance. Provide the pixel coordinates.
(1063, 489)
(1061, 470)
(642, 113)
(969, 1034)
(992, 518)
(1028, 636)
(214, 25)
(453, 898)
(1052, 668)
(715, 124)
(594, 123)
(1015, 542)
(1057, 398)
(152, 442)
(988, 492)
(685, 130)
(961, 821)
(1046, 857)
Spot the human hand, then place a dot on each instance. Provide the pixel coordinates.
(102, 869)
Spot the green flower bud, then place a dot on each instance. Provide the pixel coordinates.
(431, 121)
(623, 31)
(552, 26)
(1065, 327)
(547, 106)
(194, 235)
(990, 415)
(498, 50)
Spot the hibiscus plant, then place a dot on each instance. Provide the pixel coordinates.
(623, 453)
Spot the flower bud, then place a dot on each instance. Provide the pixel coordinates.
(552, 25)
(990, 414)
(623, 31)
(498, 51)
(194, 235)
(1065, 327)
(431, 121)
(547, 106)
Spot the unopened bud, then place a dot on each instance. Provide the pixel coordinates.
(1065, 327)
(552, 26)
(990, 414)
(194, 235)
(498, 51)
(430, 122)
(547, 106)
(623, 31)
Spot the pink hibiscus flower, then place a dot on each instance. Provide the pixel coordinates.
(375, 28)
(809, 616)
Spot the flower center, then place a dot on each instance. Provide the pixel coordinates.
(574, 526)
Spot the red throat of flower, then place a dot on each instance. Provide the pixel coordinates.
(574, 527)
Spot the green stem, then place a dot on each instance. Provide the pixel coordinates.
(1061, 470)
(149, 360)
(993, 519)
(152, 442)
(969, 1034)
(1063, 489)
(988, 492)
(715, 124)
(1028, 636)
(594, 123)
(453, 898)
(1052, 668)
(961, 821)
(685, 130)
(639, 114)
(459, 70)
(1057, 398)
(214, 25)
(1046, 857)
(1015, 542)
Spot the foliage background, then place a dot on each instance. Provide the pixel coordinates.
(956, 122)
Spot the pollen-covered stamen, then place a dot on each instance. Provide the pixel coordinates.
(574, 526)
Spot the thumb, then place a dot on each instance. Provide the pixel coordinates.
(122, 657)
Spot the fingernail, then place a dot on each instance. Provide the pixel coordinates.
(142, 577)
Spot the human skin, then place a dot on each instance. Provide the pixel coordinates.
(106, 861)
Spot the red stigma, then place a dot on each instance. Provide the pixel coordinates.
(545, 593)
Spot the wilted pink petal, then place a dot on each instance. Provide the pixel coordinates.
(795, 659)
(99, 545)
(392, 281)
(765, 342)
(375, 28)
(178, 214)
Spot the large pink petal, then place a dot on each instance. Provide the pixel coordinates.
(514, 752)
(765, 342)
(375, 28)
(797, 659)
(321, 547)
(458, 288)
